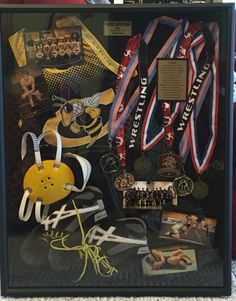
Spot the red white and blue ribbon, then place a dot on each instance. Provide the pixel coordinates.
(201, 161)
(131, 46)
(184, 145)
(116, 122)
(180, 50)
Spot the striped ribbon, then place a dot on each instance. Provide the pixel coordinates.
(179, 52)
(120, 136)
(201, 161)
(149, 141)
(116, 122)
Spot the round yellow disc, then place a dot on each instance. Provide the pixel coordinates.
(47, 184)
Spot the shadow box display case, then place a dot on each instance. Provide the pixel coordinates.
(116, 150)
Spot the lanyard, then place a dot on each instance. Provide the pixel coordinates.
(197, 85)
(201, 161)
(195, 53)
(148, 139)
(120, 136)
(139, 111)
(181, 51)
(115, 121)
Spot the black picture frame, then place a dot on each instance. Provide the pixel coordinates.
(224, 14)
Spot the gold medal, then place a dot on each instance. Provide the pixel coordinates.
(143, 165)
(169, 165)
(124, 181)
(200, 190)
(183, 185)
(109, 163)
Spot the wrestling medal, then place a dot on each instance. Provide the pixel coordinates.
(215, 169)
(143, 165)
(200, 190)
(207, 77)
(109, 163)
(169, 165)
(124, 181)
(183, 185)
(218, 165)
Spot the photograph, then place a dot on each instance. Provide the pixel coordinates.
(150, 195)
(162, 262)
(30, 95)
(54, 48)
(192, 228)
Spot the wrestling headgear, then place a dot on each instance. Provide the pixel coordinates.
(48, 181)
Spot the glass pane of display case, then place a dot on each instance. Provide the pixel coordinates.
(116, 149)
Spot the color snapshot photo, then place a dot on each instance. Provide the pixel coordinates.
(162, 262)
(188, 228)
(149, 195)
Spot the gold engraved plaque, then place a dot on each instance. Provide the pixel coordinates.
(172, 79)
(117, 28)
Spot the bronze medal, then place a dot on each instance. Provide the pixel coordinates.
(169, 165)
(124, 181)
(200, 190)
(218, 165)
(183, 185)
(109, 163)
(143, 165)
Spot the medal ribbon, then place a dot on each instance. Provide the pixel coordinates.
(116, 122)
(197, 86)
(193, 59)
(182, 52)
(201, 161)
(190, 35)
(120, 137)
(137, 120)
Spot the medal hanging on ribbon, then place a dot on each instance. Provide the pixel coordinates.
(111, 162)
(192, 108)
(117, 119)
(143, 164)
(191, 33)
(201, 162)
(126, 180)
(170, 164)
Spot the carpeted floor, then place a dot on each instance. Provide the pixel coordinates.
(232, 298)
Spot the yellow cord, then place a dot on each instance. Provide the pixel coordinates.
(100, 263)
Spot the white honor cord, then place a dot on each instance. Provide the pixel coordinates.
(86, 171)
(37, 154)
(59, 146)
